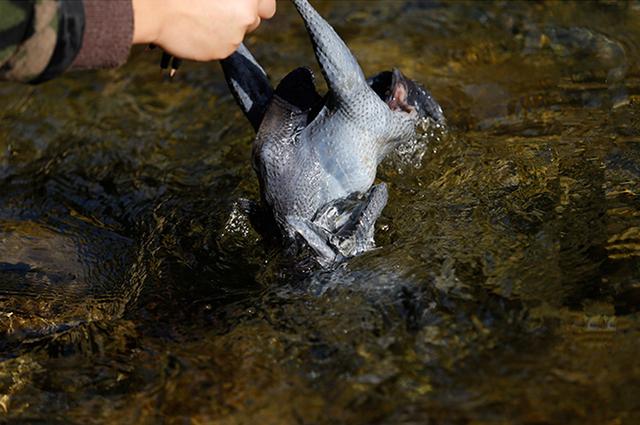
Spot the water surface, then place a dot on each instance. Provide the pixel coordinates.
(506, 284)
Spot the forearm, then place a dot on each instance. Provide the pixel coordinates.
(47, 37)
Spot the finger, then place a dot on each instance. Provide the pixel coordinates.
(254, 25)
(266, 8)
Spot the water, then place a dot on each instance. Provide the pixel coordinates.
(505, 287)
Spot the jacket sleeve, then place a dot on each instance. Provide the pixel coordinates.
(40, 39)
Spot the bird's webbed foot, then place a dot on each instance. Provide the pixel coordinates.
(351, 221)
(343, 228)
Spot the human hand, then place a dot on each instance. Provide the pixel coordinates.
(200, 30)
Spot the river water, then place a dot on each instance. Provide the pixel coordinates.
(506, 285)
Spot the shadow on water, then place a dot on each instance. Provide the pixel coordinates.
(505, 287)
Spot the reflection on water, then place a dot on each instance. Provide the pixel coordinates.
(507, 282)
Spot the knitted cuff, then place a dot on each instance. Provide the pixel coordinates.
(108, 34)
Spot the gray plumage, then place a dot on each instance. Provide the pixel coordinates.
(316, 158)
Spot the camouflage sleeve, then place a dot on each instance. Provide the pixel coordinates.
(39, 38)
